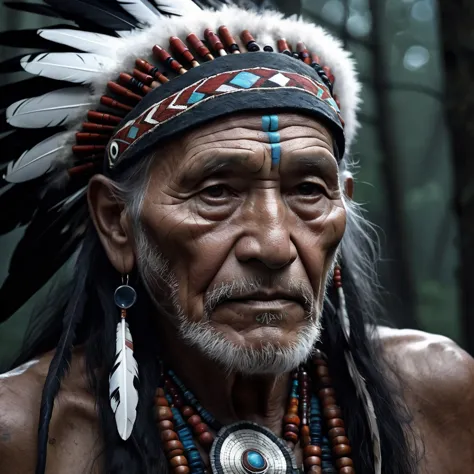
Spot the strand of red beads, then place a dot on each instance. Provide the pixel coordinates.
(200, 429)
(332, 415)
(291, 420)
(173, 448)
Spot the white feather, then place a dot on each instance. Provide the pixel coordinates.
(82, 40)
(60, 107)
(176, 7)
(141, 10)
(82, 68)
(122, 391)
(37, 161)
(360, 384)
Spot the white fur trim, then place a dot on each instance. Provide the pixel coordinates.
(266, 27)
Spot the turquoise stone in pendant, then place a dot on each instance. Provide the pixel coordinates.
(254, 462)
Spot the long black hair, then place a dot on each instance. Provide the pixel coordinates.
(90, 319)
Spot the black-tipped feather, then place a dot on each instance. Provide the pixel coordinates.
(35, 86)
(30, 39)
(21, 140)
(96, 12)
(35, 8)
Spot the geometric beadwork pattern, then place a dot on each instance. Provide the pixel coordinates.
(229, 82)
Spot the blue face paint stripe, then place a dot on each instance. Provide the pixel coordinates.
(270, 125)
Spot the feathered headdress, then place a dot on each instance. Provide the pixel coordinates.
(154, 62)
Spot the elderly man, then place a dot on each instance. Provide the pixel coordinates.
(222, 313)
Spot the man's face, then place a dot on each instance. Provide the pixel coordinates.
(247, 213)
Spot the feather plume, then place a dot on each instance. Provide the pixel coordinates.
(72, 67)
(37, 161)
(82, 40)
(100, 13)
(35, 8)
(142, 10)
(176, 7)
(122, 382)
(16, 91)
(53, 109)
(360, 384)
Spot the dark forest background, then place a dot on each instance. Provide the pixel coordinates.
(416, 177)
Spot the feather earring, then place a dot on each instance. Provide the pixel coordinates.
(123, 380)
(358, 380)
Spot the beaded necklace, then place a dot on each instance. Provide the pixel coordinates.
(312, 419)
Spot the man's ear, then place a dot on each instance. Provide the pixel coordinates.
(112, 223)
(348, 184)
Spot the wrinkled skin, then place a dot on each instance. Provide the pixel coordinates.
(249, 220)
(243, 219)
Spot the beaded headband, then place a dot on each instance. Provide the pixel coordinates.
(132, 74)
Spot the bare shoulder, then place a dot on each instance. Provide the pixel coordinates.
(429, 363)
(73, 430)
(437, 380)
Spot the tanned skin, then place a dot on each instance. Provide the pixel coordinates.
(253, 219)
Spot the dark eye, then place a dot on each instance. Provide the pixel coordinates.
(216, 191)
(309, 189)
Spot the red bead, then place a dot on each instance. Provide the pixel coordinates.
(305, 430)
(199, 46)
(329, 401)
(168, 435)
(291, 420)
(183, 50)
(344, 462)
(178, 461)
(181, 470)
(166, 425)
(335, 423)
(332, 411)
(173, 445)
(289, 436)
(315, 470)
(160, 392)
(187, 411)
(340, 440)
(312, 450)
(322, 371)
(312, 461)
(347, 470)
(341, 450)
(164, 413)
(206, 439)
(214, 41)
(292, 428)
(200, 428)
(227, 38)
(174, 453)
(327, 392)
(335, 432)
(194, 420)
(283, 46)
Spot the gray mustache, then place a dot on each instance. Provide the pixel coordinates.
(297, 289)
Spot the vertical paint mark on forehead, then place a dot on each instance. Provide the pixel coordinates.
(270, 126)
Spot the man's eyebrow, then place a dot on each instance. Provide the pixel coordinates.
(313, 162)
(213, 164)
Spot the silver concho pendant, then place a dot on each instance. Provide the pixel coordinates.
(247, 448)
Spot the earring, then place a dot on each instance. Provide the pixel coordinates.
(357, 379)
(123, 380)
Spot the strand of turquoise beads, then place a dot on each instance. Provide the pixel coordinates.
(313, 419)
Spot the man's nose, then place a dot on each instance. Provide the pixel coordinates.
(267, 237)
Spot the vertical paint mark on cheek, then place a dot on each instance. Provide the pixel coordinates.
(270, 126)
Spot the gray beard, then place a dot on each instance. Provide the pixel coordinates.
(269, 358)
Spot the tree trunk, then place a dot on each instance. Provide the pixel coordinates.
(403, 301)
(457, 38)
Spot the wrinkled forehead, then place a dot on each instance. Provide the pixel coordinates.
(281, 135)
